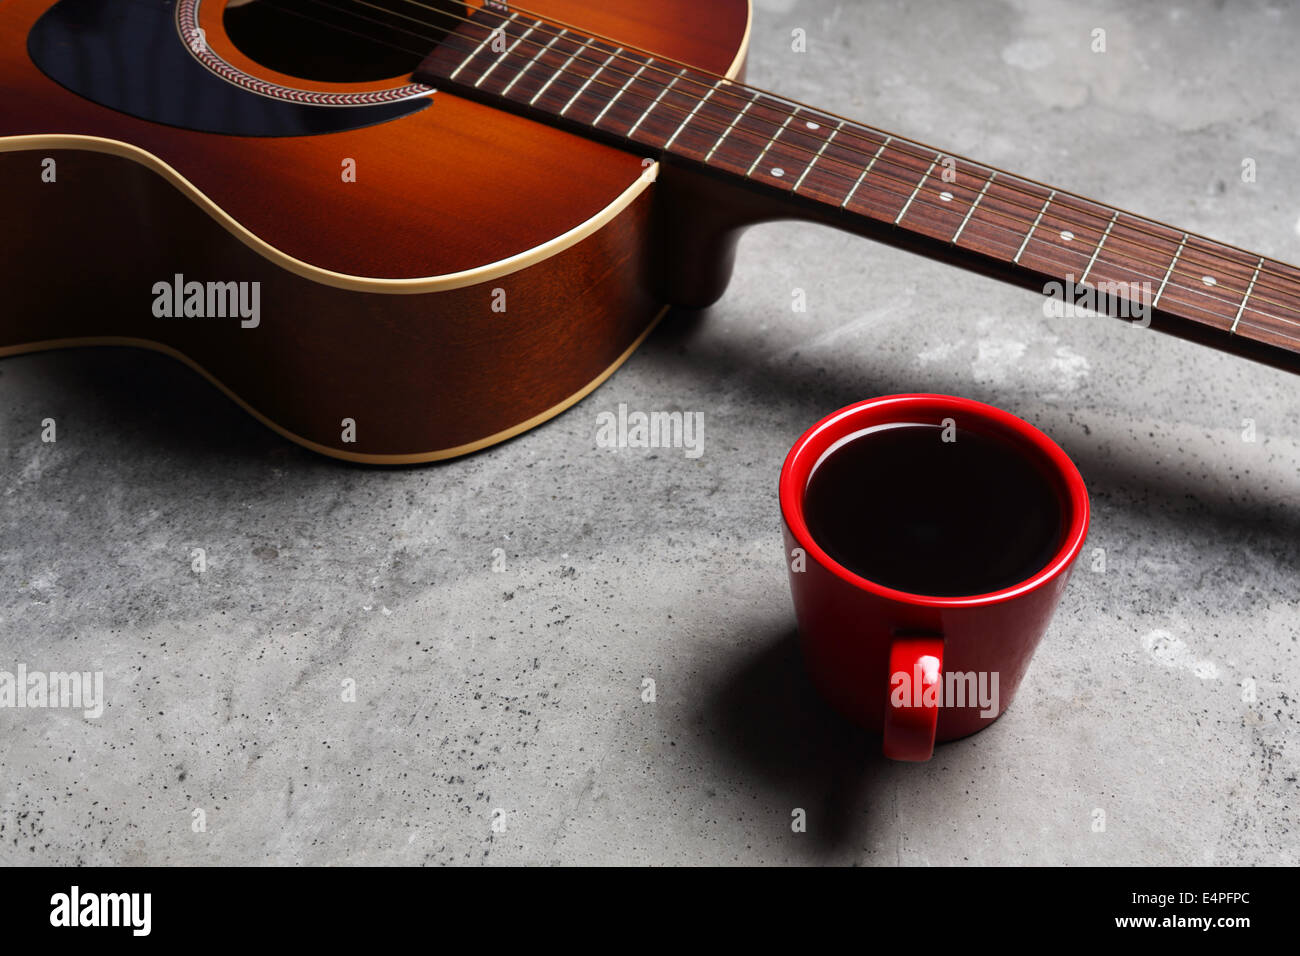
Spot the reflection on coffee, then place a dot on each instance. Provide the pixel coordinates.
(902, 506)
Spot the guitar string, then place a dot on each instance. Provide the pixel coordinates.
(907, 184)
(1165, 283)
(1193, 256)
(928, 150)
(1218, 262)
(1190, 255)
(385, 42)
(292, 11)
(1243, 320)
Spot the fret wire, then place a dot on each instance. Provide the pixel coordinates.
(1096, 252)
(1242, 308)
(863, 175)
(484, 42)
(1071, 207)
(916, 149)
(934, 162)
(621, 90)
(730, 126)
(501, 59)
(560, 72)
(1206, 310)
(1219, 256)
(582, 89)
(690, 116)
(1084, 212)
(807, 169)
(1190, 289)
(913, 148)
(1037, 220)
(662, 94)
(1169, 272)
(529, 65)
(768, 144)
(971, 211)
(1221, 259)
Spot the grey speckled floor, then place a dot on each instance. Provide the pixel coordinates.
(518, 692)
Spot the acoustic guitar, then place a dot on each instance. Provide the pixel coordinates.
(402, 230)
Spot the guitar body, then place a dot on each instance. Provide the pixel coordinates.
(438, 273)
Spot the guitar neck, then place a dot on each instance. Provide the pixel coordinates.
(815, 164)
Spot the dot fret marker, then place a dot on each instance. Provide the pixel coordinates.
(870, 177)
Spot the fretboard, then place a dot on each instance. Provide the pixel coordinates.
(888, 187)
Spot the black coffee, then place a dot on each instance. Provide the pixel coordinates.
(906, 509)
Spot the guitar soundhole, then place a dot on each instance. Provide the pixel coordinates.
(332, 41)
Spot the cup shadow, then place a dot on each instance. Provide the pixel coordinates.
(769, 724)
(1264, 512)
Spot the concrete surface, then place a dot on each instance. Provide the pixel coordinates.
(520, 690)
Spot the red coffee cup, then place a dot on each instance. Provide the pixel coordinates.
(910, 666)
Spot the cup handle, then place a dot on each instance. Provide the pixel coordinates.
(915, 693)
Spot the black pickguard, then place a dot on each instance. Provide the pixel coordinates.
(128, 56)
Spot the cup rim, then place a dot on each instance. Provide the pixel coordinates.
(791, 498)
